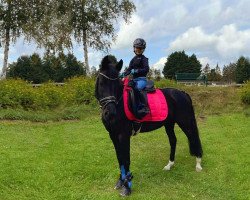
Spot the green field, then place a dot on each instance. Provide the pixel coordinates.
(76, 160)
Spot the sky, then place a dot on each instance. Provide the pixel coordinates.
(216, 31)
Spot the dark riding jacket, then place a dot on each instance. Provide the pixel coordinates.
(140, 63)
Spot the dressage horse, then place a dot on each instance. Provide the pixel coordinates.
(109, 93)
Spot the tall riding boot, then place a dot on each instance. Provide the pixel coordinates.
(142, 107)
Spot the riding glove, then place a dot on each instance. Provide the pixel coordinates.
(134, 71)
(122, 75)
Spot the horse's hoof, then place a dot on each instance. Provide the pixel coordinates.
(125, 191)
(169, 166)
(119, 184)
(198, 168)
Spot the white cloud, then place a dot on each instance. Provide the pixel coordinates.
(160, 64)
(128, 32)
(95, 59)
(228, 43)
(204, 61)
(192, 38)
(137, 28)
(231, 41)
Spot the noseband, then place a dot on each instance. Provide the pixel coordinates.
(109, 99)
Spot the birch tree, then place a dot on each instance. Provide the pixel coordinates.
(12, 19)
(49, 25)
(93, 22)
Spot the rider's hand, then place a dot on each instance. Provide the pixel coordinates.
(134, 71)
(122, 75)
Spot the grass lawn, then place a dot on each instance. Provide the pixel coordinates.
(76, 160)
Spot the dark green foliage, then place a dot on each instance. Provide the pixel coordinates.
(36, 70)
(179, 62)
(28, 68)
(242, 70)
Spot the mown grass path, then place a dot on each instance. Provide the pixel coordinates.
(76, 160)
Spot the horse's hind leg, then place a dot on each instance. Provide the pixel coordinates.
(172, 140)
(189, 127)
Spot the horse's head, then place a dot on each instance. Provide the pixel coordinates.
(108, 87)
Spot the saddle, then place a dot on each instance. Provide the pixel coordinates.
(154, 102)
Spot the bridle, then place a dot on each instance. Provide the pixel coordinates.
(109, 99)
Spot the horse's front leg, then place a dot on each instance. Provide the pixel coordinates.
(115, 140)
(121, 143)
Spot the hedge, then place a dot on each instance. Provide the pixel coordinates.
(245, 93)
(16, 93)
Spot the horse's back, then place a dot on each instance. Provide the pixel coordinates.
(179, 102)
(176, 95)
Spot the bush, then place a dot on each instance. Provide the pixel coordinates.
(50, 96)
(20, 94)
(81, 90)
(12, 93)
(245, 93)
(165, 83)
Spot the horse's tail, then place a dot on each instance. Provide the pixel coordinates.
(195, 146)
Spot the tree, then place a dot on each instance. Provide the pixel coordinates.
(218, 73)
(49, 26)
(36, 70)
(242, 70)
(12, 19)
(214, 75)
(206, 70)
(29, 68)
(179, 62)
(194, 65)
(53, 67)
(229, 73)
(150, 73)
(93, 72)
(72, 67)
(92, 22)
(157, 74)
(217, 69)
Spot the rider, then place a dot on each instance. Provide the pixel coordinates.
(139, 68)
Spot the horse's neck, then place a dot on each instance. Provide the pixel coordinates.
(120, 90)
(120, 93)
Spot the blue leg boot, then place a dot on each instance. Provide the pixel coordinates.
(121, 179)
(127, 184)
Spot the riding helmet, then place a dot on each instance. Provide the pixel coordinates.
(139, 43)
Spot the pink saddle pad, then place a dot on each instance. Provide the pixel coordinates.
(157, 105)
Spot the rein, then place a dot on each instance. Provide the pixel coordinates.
(109, 99)
(112, 79)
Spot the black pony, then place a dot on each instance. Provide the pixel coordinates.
(109, 90)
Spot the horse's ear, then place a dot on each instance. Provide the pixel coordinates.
(119, 65)
(105, 62)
